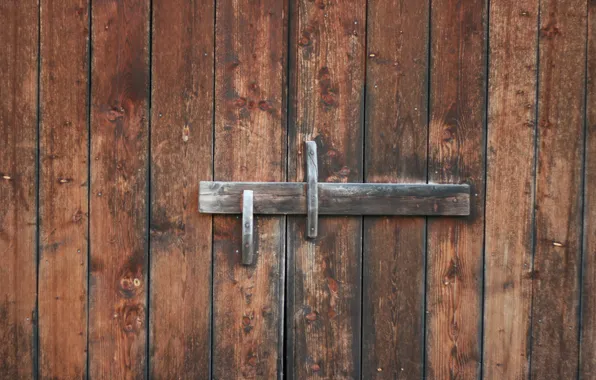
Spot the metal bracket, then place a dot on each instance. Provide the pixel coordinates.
(314, 199)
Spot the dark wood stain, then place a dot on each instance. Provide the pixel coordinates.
(326, 84)
(133, 282)
(456, 155)
(118, 204)
(396, 138)
(557, 256)
(587, 363)
(250, 144)
(181, 156)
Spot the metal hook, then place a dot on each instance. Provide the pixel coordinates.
(248, 254)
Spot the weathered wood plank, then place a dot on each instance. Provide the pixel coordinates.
(510, 188)
(118, 204)
(18, 146)
(456, 155)
(63, 192)
(396, 145)
(557, 256)
(588, 333)
(327, 49)
(337, 198)
(250, 144)
(181, 155)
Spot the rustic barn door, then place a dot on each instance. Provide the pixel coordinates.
(112, 112)
(354, 78)
(285, 74)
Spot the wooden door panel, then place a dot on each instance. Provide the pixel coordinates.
(112, 111)
(327, 47)
(588, 301)
(559, 157)
(250, 144)
(119, 182)
(396, 145)
(510, 204)
(181, 156)
(456, 155)
(63, 189)
(18, 187)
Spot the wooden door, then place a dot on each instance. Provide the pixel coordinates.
(113, 111)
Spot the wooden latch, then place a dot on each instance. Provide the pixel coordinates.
(314, 199)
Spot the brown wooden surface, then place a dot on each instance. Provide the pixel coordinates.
(557, 256)
(181, 141)
(456, 154)
(290, 198)
(587, 363)
(510, 203)
(250, 144)
(63, 189)
(112, 111)
(118, 209)
(396, 139)
(18, 147)
(327, 47)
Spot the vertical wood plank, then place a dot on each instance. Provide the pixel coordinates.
(327, 67)
(118, 204)
(63, 193)
(250, 145)
(396, 145)
(456, 155)
(181, 151)
(18, 154)
(588, 333)
(556, 292)
(510, 188)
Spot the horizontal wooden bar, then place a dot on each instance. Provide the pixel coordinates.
(289, 198)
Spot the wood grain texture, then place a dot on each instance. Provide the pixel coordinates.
(118, 204)
(510, 188)
(588, 333)
(327, 48)
(396, 144)
(250, 144)
(456, 155)
(181, 154)
(18, 146)
(63, 192)
(557, 256)
(337, 198)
